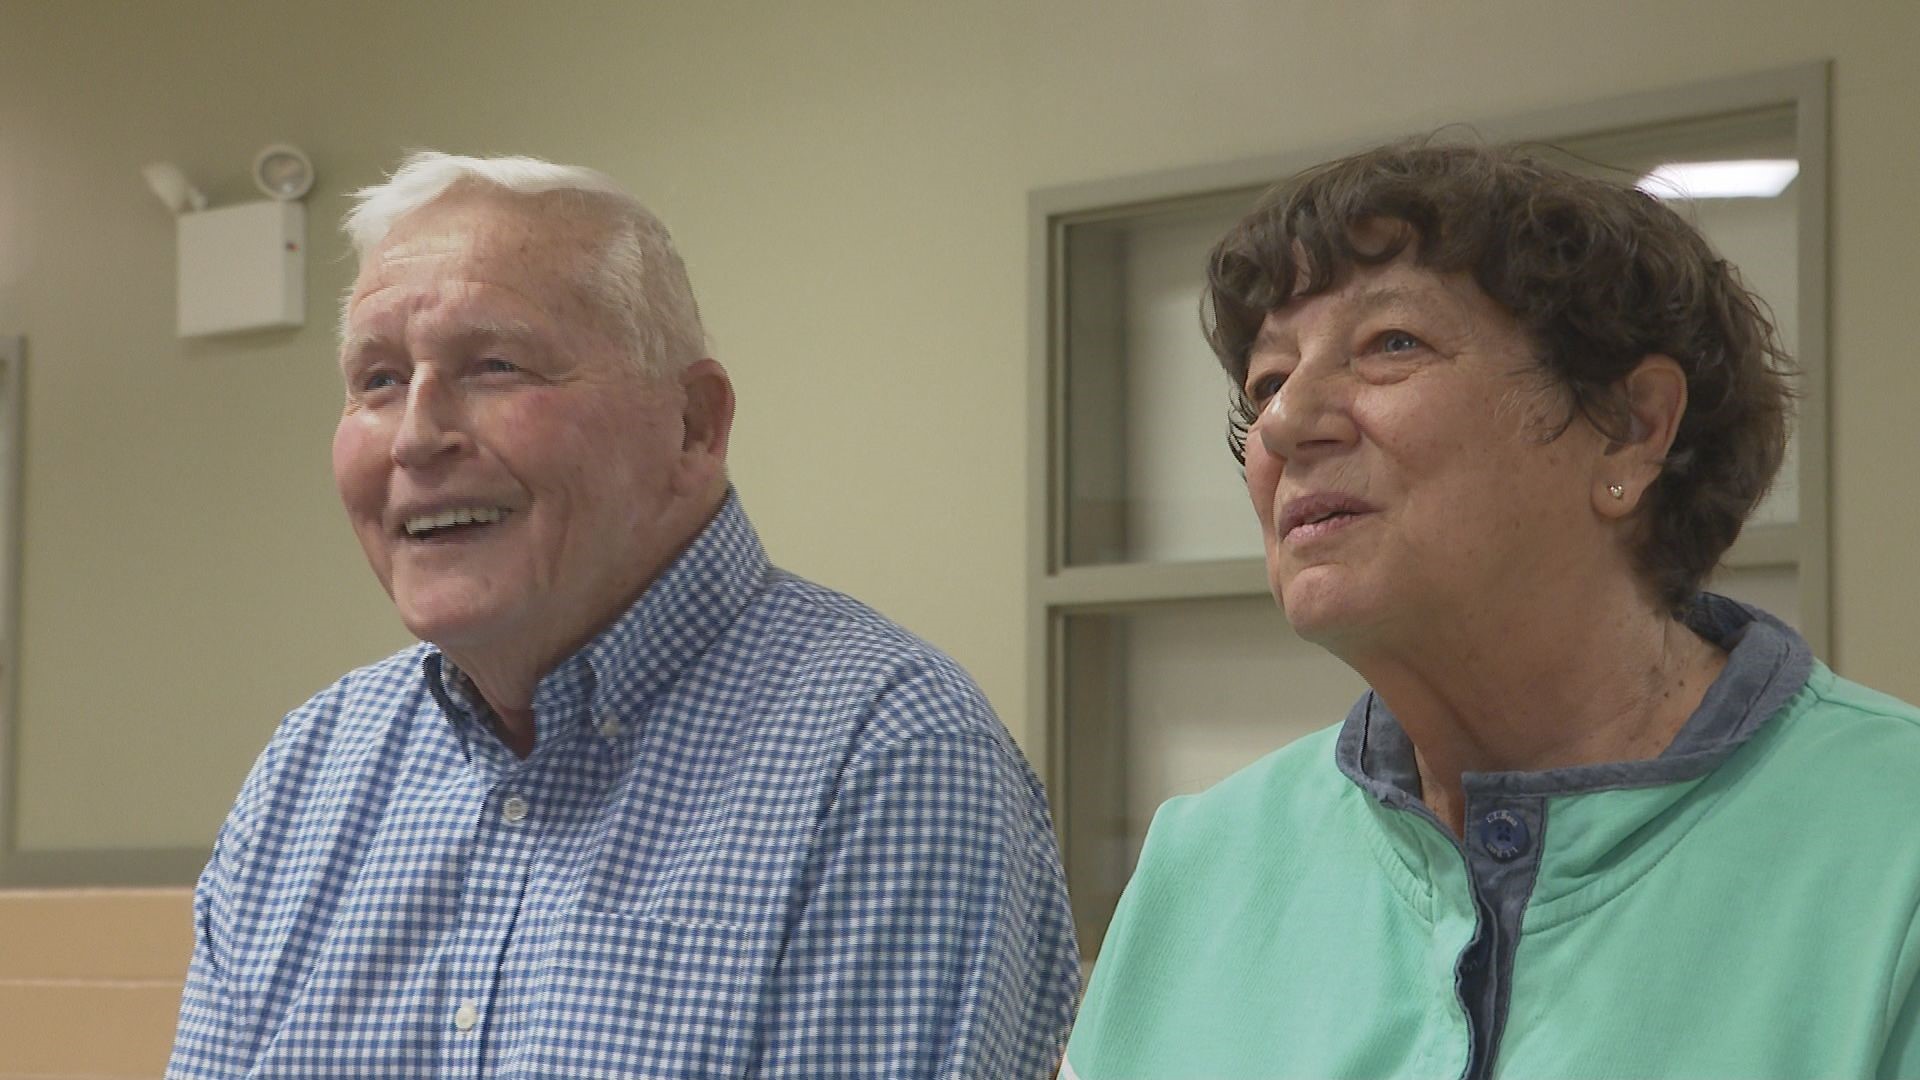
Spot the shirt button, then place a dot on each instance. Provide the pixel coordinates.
(1503, 835)
(610, 727)
(514, 809)
(467, 1015)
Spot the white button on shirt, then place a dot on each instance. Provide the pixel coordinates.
(514, 809)
(610, 727)
(467, 1015)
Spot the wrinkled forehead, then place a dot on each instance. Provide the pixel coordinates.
(1346, 281)
(1400, 291)
(499, 252)
(486, 233)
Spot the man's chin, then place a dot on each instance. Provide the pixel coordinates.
(450, 627)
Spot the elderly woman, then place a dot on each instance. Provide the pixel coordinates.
(1499, 422)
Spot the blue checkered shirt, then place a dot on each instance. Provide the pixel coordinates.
(763, 832)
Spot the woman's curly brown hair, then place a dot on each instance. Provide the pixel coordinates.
(1598, 274)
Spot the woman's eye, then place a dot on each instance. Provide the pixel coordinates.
(1399, 341)
(1261, 389)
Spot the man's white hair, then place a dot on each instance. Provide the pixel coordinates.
(637, 276)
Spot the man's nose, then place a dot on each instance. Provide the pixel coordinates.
(432, 424)
(1308, 415)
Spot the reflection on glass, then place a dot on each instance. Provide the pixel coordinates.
(1682, 181)
(1149, 478)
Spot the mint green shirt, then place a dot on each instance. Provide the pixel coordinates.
(1743, 906)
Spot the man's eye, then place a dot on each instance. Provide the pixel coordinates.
(378, 380)
(495, 365)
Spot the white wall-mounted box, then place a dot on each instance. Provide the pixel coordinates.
(243, 268)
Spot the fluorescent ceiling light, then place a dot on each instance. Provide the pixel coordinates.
(1720, 179)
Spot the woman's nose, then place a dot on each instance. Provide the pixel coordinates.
(1305, 415)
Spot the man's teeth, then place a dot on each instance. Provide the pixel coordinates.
(471, 515)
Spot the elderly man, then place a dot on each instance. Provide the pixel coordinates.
(639, 804)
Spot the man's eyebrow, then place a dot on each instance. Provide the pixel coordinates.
(358, 344)
(497, 330)
(503, 330)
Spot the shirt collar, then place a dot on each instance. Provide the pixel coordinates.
(1767, 664)
(673, 622)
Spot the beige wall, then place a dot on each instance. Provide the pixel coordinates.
(848, 182)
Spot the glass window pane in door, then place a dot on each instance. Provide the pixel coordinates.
(1148, 475)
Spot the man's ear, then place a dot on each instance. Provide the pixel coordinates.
(1656, 393)
(706, 421)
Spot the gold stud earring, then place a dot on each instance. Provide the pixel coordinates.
(1618, 491)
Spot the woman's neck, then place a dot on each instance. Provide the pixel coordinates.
(1607, 678)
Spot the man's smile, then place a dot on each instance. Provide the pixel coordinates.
(454, 523)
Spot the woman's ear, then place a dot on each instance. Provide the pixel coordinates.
(1656, 395)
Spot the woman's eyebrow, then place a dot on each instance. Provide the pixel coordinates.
(1270, 340)
(1368, 301)
(1382, 297)
(1438, 310)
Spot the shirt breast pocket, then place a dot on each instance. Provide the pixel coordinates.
(640, 995)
